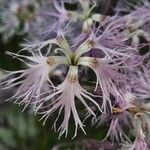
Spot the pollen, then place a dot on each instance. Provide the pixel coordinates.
(133, 110)
(72, 78)
(117, 110)
(94, 63)
(51, 61)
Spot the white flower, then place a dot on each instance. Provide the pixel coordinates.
(31, 83)
(66, 95)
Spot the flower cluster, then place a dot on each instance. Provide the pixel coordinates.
(17, 16)
(80, 41)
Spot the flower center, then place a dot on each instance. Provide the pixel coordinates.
(73, 60)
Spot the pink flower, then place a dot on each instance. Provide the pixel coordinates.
(139, 143)
(65, 97)
(107, 76)
(31, 83)
(141, 83)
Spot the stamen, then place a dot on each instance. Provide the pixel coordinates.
(51, 61)
(117, 110)
(72, 78)
(132, 110)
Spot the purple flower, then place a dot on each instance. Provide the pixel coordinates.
(33, 82)
(66, 100)
(74, 44)
(15, 13)
(141, 83)
(139, 142)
